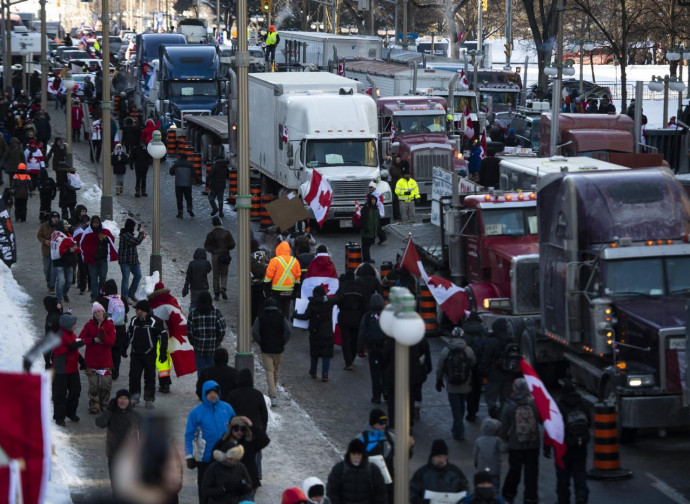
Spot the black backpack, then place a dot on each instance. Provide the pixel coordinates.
(510, 358)
(526, 425)
(374, 332)
(458, 367)
(576, 428)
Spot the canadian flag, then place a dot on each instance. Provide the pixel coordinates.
(452, 299)
(321, 271)
(554, 427)
(320, 197)
(392, 136)
(284, 138)
(357, 216)
(462, 81)
(379, 202)
(482, 145)
(469, 126)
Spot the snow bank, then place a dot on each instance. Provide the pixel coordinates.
(92, 194)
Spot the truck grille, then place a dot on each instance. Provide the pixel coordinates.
(346, 191)
(424, 161)
(526, 284)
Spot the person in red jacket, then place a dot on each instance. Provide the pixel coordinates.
(66, 385)
(98, 249)
(77, 119)
(99, 337)
(149, 128)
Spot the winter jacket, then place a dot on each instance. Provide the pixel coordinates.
(454, 345)
(362, 484)
(488, 447)
(253, 441)
(144, 334)
(224, 375)
(319, 313)
(197, 272)
(131, 135)
(205, 331)
(372, 336)
(370, 222)
(98, 354)
(59, 153)
(141, 159)
(147, 132)
(43, 128)
(420, 362)
(271, 330)
(310, 483)
(225, 483)
(508, 432)
(120, 424)
(283, 272)
(206, 424)
(52, 323)
(218, 175)
(43, 234)
(249, 402)
(447, 479)
(119, 162)
(183, 171)
(219, 240)
(350, 300)
(68, 196)
(68, 258)
(90, 243)
(13, 157)
(379, 442)
(366, 276)
(127, 251)
(66, 356)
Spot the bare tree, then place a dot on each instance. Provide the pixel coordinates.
(542, 17)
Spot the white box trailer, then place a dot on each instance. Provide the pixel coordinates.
(317, 48)
(306, 121)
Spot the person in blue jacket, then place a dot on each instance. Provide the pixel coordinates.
(206, 424)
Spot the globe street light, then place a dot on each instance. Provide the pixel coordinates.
(68, 82)
(156, 150)
(400, 321)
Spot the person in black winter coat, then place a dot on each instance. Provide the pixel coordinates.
(242, 432)
(68, 197)
(47, 190)
(368, 277)
(131, 134)
(217, 178)
(196, 280)
(43, 128)
(226, 481)
(247, 401)
(499, 381)
(110, 295)
(476, 338)
(58, 151)
(119, 160)
(183, 171)
(140, 158)
(54, 310)
(355, 480)
(437, 475)
(121, 421)
(373, 338)
(319, 313)
(350, 300)
(272, 332)
(225, 376)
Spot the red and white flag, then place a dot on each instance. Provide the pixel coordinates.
(25, 437)
(357, 216)
(392, 133)
(379, 202)
(462, 81)
(320, 197)
(554, 427)
(166, 308)
(321, 271)
(482, 145)
(452, 299)
(469, 126)
(285, 134)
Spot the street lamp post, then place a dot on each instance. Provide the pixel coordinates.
(156, 150)
(589, 47)
(666, 84)
(68, 82)
(44, 60)
(400, 321)
(106, 197)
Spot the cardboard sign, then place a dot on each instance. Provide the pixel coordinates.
(286, 211)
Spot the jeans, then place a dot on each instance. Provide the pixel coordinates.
(457, 408)
(214, 197)
(203, 362)
(99, 274)
(517, 459)
(325, 364)
(272, 366)
(127, 289)
(220, 274)
(49, 271)
(63, 281)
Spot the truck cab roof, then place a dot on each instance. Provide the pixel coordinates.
(318, 82)
(412, 104)
(196, 61)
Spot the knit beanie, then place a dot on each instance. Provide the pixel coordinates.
(376, 416)
(438, 447)
(68, 321)
(144, 306)
(316, 491)
(122, 393)
(293, 495)
(96, 307)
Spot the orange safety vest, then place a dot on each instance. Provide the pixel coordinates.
(283, 271)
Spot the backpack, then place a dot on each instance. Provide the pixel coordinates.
(576, 428)
(116, 309)
(21, 189)
(458, 367)
(510, 358)
(374, 333)
(526, 427)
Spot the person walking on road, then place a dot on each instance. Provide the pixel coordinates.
(43, 237)
(145, 332)
(119, 160)
(282, 276)
(454, 372)
(272, 332)
(408, 192)
(183, 171)
(227, 481)
(437, 475)
(221, 373)
(98, 335)
(116, 307)
(319, 313)
(219, 242)
(372, 337)
(140, 159)
(21, 189)
(64, 254)
(196, 279)
(355, 479)
(98, 249)
(128, 258)
(488, 449)
(371, 223)
(66, 384)
(217, 178)
(205, 330)
(349, 298)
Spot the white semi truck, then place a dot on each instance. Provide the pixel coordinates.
(301, 122)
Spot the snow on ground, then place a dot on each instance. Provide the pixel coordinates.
(16, 338)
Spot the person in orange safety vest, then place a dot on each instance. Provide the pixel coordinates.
(282, 275)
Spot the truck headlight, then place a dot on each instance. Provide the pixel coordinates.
(636, 381)
(497, 304)
(387, 197)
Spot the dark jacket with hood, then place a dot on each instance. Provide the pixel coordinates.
(14, 156)
(225, 483)
(249, 402)
(520, 397)
(253, 441)
(446, 479)
(572, 401)
(143, 335)
(362, 484)
(500, 337)
(367, 276)
(455, 344)
(58, 151)
(221, 373)
(197, 272)
(271, 330)
(219, 241)
(53, 315)
(420, 362)
(120, 424)
(319, 313)
(350, 300)
(218, 175)
(488, 447)
(371, 335)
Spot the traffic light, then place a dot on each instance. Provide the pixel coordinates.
(485, 5)
(265, 5)
(507, 51)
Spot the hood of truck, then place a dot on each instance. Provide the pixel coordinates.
(413, 141)
(658, 313)
(507, 247)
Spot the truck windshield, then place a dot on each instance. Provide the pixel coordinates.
(340, 152)
(510, 221)
(193, 88)
(498, 99)
(420, 124)
(654, 276)
(461, 102)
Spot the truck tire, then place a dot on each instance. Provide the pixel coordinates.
(206, 142)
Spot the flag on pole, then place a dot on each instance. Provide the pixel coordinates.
(469, 126)
(285, 134)
(357, 216)
(392, 136)
(554, 427)
(452, 299)
(482, 145)
(463, 82)
(320, 197)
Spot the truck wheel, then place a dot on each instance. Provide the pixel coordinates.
(206, 142)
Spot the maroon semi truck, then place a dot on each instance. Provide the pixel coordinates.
(414, 127)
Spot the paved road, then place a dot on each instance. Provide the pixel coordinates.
(323, 416)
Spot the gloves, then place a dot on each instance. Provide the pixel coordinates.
(439, 385)
(191, 463)
(407, 193)
(185, 291)
(163, 357)
(76, 345)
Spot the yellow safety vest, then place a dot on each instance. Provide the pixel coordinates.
(283, 280)
(403, 185)
(271, 38)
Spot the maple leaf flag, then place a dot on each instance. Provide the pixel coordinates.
(463, 82)
(320, 197)
(452, 299)
(392, 133)
(357, 216)
(321, 271)
(379, 202)
(554, 427)
(482, 145)
(284, 138)
(469, 126)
